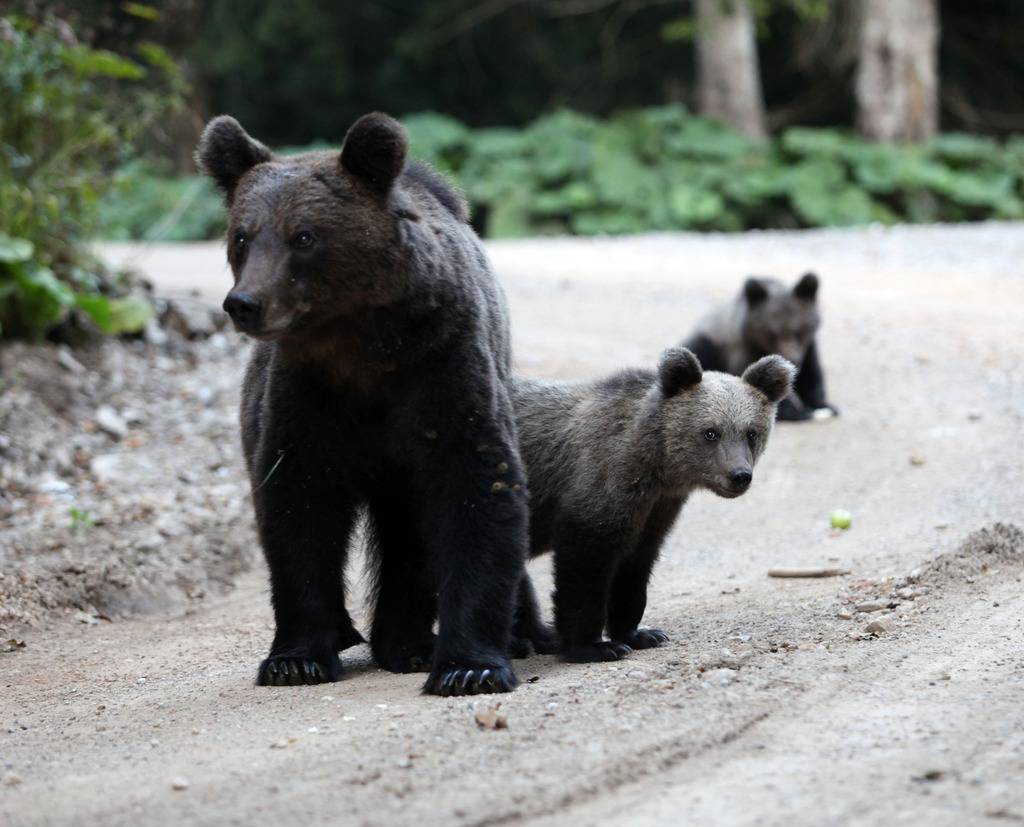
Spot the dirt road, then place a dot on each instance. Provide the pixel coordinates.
(771, 704)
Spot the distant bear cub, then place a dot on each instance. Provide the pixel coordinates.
(610, 463)
(768, 317)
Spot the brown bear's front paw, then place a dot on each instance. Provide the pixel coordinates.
(603, 650)
(299, 670)
(643, 638)
(476, 680)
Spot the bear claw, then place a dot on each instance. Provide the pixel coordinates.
(476, 681)
(287, 670)
(644, 638)
(604, 650)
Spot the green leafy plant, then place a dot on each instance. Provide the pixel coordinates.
(81, 519)
(662, 168)
(68, 116)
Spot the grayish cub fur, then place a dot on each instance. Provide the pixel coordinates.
(610, 463)
(768, 317)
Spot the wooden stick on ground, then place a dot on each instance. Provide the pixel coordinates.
(807, 572)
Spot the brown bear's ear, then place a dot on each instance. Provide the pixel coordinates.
(226, 152)
(807, 287)
(678, 369)
(773, 376)
(374, 149)
(754, 291)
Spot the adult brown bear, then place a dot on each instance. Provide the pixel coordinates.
(378, 382)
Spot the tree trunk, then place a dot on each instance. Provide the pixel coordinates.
(728, 76)
(897, 77)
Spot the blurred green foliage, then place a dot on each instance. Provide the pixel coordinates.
(653, 169)
(68, 114)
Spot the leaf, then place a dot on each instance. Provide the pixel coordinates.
(141, 10)
(156, 55)
(957, 146)
(14, 250)
(101, 63)
(685, 28)
(693, 207)
(115, 316)
(130, 314)
(805, 141)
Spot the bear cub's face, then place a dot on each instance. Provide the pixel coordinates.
(780, 319)
(311, 237)
(715, 426)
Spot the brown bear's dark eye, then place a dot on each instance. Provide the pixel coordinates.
(712, 435)
(302, 240)
(239, 238)
(752, 436)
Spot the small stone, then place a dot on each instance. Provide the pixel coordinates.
(871, 606)
(149, 542)
(917, 461)
(844, 615)
(720, 677)
(69, 362)
(878, 627)
(906, 593)
(111, 422)
(192, 319)
(279, 744)
(56, 488)
(179, 783)
(491, 718)
(153, 333)
(404, 763)
(11, 779)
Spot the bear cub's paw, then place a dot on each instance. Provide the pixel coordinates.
(541, 641)
(347, 635)
(470, 680)
(643, 638)
(792, 411)
(299, 670)
(404, 658)
(603, 650)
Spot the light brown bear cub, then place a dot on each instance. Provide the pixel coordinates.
(610, 464)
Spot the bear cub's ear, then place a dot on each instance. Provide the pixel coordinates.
(226, 152)
(754, 291)
(807, 287)
(773, 376)
(678, 369)
(375, 149)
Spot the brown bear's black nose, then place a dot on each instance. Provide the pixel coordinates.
(245, 310)
(740, 479)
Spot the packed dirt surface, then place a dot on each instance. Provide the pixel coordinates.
(892, 694)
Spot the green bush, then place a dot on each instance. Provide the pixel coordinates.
(666, 169)
(68, 113)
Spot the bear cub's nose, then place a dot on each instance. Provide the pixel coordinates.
(245, 311)
(741, 478)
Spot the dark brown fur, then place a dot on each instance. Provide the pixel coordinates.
(611, 464)
(378, 384)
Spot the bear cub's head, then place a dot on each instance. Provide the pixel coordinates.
(715, 426)
(781, 319)
(310, 237)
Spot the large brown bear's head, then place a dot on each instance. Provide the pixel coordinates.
(311, 237)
